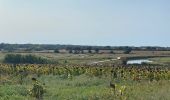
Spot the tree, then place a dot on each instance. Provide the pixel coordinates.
(127, 50)
(70, 51)
(23, 59)
(112, 52)
(56, 51)
(76, 51)
(82, 51)
(97, 50)
(107, 48)
(89, 51)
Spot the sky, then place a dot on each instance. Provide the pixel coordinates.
(86, 22)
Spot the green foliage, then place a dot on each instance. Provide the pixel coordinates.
(112, 52)
(127, 50)
(41, 47)
(89, 51)
(56, 51)
(97, 50)
(13, 92)
(19, 59)
(80, 82)
(37, 91)
(70, 51)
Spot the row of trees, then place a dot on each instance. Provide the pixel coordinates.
(24, 59)
(125, 51)
(83, 51)
(41, 47)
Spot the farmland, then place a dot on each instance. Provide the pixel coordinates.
(84, 82)
(84, 50)
(75, 77)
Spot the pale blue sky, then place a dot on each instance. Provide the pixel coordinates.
(86, 22)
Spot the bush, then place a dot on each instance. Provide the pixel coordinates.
(21, 59)
(56, 51)
(127, 50)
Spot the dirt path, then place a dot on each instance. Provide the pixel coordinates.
(96, 62)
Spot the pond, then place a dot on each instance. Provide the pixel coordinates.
(139, 61)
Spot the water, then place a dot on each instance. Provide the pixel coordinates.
(139, 61)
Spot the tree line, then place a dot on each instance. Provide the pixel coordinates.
(41, 47)
(24, 59)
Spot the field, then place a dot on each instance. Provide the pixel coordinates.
(89, 58)
(76, 77)
(84, 50)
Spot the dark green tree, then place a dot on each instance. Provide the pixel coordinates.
(127, 50)
(70, 51)
(112, 52)
(56, 51)
(89, 51)
(97, 50)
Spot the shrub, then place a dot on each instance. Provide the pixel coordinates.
(20, 59)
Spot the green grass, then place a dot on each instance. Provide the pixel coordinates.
(14, 92)
(161, 60)
(84, 87)
(87, 58)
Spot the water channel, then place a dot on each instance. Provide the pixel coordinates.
(139, 61)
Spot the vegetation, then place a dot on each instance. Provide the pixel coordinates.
(42, 47)
(51, 82)
(97, 50)
(56, 51)
(70, 51)
(89, 51)
(112, 52)
(24, 59)
(91, 73)
(127, 50)
(161, 60)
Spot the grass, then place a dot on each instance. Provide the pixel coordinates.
(84, 87)
(14, 92)
(161, 60)
(87, 58)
